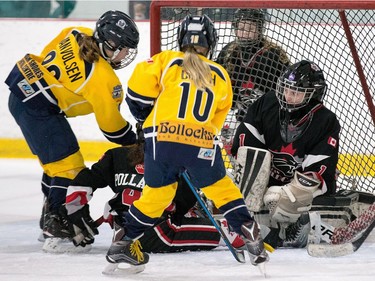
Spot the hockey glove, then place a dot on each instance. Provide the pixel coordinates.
(83, 227)
(286, 203)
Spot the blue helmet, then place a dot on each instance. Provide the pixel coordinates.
(197, 31)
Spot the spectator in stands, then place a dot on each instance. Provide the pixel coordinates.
(139, 10)
(302, 136)
(254, 63)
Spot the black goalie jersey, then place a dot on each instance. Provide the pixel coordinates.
(316, 150)
(174, 232)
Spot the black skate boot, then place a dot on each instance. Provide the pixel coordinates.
(58, 238)
(45, 209)
(127, 251)
(254, 243)
(55, 226)
(297, 233)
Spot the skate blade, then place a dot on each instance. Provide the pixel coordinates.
(63, 245)
(262, 269)
(122, 269)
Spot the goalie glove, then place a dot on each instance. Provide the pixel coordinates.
(286, 203)
(82, 226)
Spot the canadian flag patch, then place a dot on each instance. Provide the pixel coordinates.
(332, 141)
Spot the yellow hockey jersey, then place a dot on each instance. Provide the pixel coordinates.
(58, 78)
(179, 112)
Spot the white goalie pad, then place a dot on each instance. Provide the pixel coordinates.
(122, 269)
(252, 171)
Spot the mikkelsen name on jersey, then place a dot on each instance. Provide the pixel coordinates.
(186, 133)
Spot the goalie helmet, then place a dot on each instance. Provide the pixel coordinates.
(301, 84)
(257, 16)
(304, 78)
(115, 31)
(197, 31)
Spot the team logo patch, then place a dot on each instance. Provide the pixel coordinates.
(206, 154)
(140, 168)
(25, 87)
(117, 92)
(121, 24)
(332, 142)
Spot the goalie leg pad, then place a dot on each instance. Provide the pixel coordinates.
(252, 171)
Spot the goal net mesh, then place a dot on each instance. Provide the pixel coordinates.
(318, 35)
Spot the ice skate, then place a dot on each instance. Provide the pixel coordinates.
(297, 233)
(254, 243)
(127, 251)
(58, 237)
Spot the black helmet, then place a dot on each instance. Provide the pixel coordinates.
(303, 77)
(197, 31)
(257, 16)
(115, 30)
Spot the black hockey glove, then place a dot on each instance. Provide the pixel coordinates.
(82, 226)
(140, 134)
(246, 98)
(129, 138)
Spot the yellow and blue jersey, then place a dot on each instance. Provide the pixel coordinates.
(59, 79)
(172, 107)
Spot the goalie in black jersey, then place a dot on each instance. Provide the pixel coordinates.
(181, 228)
(302, 137)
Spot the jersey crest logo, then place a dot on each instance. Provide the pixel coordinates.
(284, 163)
(117, 92)
(140, 168)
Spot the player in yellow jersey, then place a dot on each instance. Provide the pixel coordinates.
(73, 76)
(183, 98)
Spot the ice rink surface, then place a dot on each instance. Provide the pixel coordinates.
(22, 258)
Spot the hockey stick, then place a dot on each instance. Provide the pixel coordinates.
(338, 250)
(237, 254)
(346, 240)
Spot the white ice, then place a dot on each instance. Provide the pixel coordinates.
(21, 255)
(22, 258)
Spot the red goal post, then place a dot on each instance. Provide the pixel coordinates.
(337, 35)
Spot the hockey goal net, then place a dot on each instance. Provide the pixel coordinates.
(338, 35)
